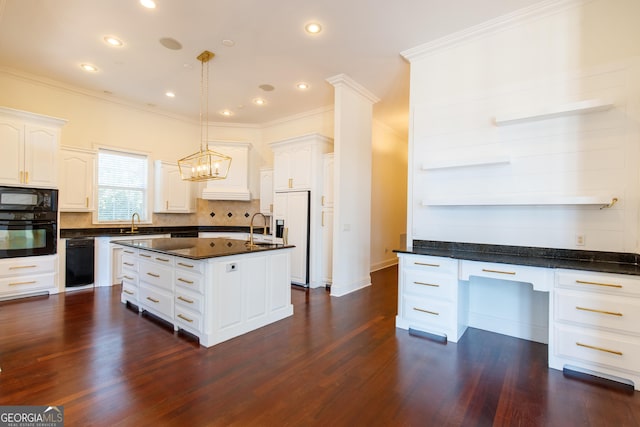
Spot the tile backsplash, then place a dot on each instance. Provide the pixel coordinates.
(209, 212)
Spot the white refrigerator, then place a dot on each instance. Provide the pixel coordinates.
(291, 213)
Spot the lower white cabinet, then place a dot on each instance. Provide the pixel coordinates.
(214, 299)
(430, 299)
(595, 324)
(25, 276)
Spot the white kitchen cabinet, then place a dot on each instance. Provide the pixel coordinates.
(77, 180)
(26, 276)
(430, 299)
(236, 185)
(292, 169)
(128, 269)
(29, 145)
(293, 208)
(156, 284)
(595, 324)
(266, 191)
(172, 194)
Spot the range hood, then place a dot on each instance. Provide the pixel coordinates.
(236, 185)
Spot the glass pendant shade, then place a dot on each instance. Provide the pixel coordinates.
(204, 165)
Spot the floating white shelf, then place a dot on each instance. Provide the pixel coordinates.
(487, 161)
(523, 200)
(580, 107)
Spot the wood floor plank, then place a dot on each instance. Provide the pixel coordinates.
(337, 361)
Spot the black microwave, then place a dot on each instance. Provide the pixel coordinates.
(28, 199)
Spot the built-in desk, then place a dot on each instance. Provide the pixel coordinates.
(593, 314)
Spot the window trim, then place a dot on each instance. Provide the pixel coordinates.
(149, 190)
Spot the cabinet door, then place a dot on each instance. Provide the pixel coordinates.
(12, 145)
(266, 191)
(172, 194)
(281, 172)
(300, 168)
(40, 154)
(76, 180)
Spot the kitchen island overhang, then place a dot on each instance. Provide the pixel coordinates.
(215, 289)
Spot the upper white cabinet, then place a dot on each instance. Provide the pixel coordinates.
(29, 145)
(172, 194)
(77, 179)
(236, 185)
(266, 191)
(291, 164)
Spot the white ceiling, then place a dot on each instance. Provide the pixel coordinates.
(360, 38)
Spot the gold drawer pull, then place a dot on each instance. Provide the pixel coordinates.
(185, 318)
(618, 353)
(128, 263)
(427, 284)
(593, 310)
(426, 311)
(153, 275)
(181, 298)
(17, 267)
(153, 300)
(22, 283)
(145, 255)
(127, 292)
(188, 282)
(427, 264)
(486, 270)
(163, 259)
(610, 285)
(128, 252)
(182, 264)
(128, 277)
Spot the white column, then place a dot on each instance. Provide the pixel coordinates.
(352, 185)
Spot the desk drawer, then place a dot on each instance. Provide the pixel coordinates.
(614, 284)
(541, 278)
(430, 284)
(616, 351)
(430, 263)
(600, 311)
(435, 315)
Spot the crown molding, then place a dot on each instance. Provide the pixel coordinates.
(343, 80)
(527, 14)
(298, 116)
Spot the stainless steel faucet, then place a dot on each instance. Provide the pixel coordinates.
(133, 227)
(264, 228)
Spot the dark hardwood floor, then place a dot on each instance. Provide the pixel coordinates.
(337, 361)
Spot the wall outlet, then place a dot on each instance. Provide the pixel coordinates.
(580, 239)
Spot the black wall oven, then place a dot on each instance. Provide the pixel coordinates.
(28, 221)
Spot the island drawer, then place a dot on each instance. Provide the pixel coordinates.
(129, 262)
(614, 284)
(190, 300)
(129, 251)
(155, 274)
(188, 280)
(188, 320)
(129, 292)
(130, 277)
(190, 265)
(157, 300)
(156, 257)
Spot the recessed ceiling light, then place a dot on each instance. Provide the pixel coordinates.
(226, 113)
(113, 41)
(259, 101)
(228, 43)
(313, 28)
(89, 67)
(302, 85)
(149, 4)
(170, 94)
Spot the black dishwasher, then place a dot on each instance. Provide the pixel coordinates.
(79, 262)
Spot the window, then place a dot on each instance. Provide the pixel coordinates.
(122, 186)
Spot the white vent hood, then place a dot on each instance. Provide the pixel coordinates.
(236, 186)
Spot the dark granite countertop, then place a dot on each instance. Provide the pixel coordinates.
(69, 233)
(199, 248)
(606, 262)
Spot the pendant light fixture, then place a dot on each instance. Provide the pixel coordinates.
(206, 164)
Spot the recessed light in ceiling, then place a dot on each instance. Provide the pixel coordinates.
(266, 87)
(113, 41)
(89, 67)
(226, 113)
(313, 28)
(302, 86)
(228, 43)
(149, 4)
(170, 94)
(259, 101)
(170, 43)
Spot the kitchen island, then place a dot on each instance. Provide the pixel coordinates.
(215, 289)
